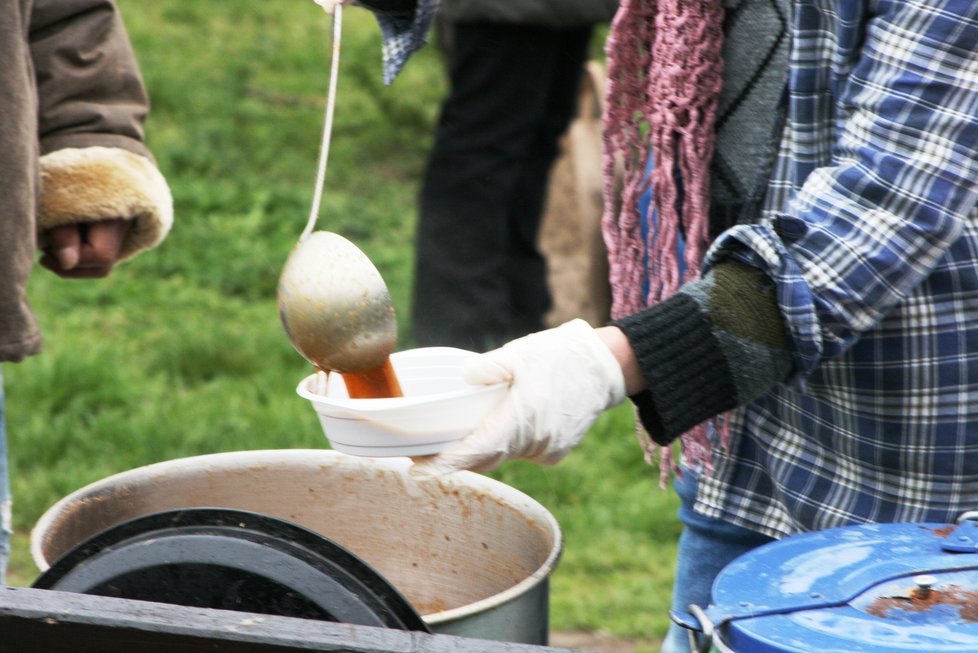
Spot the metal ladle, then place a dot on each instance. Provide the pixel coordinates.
(333, 303)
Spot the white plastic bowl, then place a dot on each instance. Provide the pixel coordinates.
(438, 406)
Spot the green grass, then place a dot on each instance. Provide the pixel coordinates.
(180, 352)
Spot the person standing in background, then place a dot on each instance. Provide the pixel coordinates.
(514, 70)
(76, 179)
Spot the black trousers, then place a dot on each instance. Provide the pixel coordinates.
(479, 278)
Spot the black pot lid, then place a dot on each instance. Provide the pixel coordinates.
(232, 560)
(880, 587)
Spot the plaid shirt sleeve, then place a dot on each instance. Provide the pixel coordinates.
(854, 237)
(869, 233)
(402, 37)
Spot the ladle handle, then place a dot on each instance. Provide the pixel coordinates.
(328, 123)
(373, 384)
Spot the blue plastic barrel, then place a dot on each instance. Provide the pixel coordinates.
(858, 589)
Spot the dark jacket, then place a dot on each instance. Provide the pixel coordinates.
(545, 13)
(71, 137)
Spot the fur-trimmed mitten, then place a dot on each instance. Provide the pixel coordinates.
(104, 183)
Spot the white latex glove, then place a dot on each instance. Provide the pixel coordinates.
(560, 379)
(329, 6)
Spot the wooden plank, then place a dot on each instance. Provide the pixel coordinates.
(45, 621)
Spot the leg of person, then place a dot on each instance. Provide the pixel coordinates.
(706, 546)
(499, 79)
(526, 267)
(6, 525)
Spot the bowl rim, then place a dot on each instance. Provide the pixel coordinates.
(394, 403)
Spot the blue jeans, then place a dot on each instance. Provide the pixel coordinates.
(6, 526)
(705, 547)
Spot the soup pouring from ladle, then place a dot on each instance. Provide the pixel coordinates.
(333, 302)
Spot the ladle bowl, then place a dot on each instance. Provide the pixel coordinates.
(335, 306)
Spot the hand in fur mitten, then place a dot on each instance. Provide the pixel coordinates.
(84, 251)
(99, 206)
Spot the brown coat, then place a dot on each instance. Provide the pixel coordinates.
(72, 106)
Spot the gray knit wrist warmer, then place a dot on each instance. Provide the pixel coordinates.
(716, 344)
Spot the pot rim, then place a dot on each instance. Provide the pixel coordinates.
(519, 500)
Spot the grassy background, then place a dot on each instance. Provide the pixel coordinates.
(181, 353)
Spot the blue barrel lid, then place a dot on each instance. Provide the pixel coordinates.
(869, 588)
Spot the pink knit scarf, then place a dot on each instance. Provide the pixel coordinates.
(664, 79)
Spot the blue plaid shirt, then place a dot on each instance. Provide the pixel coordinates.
(870, 232)
(402, 37)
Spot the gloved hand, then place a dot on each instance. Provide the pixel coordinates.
(403, 9)
(560, 380)
(329, 6)
(396, 8)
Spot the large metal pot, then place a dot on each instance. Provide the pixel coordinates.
(471, 554)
